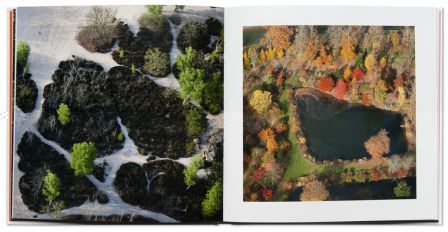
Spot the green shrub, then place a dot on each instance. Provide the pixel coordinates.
(196, 121)
(190, 173)
(293, 81)
(213, 200)
(141, 151)
(121, 53)
(52, 185)
(156, 24)
(63, 114)
(133, 69)
(23, 52)
(120, 137)
(82, 158)
(157, 63)
(190, 147)
(402, 190)
(155, 10)
(193, 34)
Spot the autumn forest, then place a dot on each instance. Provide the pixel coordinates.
(329, 113)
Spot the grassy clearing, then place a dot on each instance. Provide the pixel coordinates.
(252, 36)
(297, 165)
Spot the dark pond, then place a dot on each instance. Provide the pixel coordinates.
(375, 190)
(333, 133)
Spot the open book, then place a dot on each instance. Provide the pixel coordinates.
(129, 114)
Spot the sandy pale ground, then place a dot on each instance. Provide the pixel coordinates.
(51, 32)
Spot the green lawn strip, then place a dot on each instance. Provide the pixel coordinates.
(297, 164)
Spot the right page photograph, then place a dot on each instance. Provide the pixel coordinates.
(335, 118)
(329, 112)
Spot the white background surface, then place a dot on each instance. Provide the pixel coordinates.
(5, 4)
(424, 207)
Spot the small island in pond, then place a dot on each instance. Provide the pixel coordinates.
(329, 113)
(118, 114)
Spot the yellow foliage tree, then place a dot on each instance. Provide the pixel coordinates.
(347, 51)
(267, 157)
(260, 100)
(370, 62)
(246, 59)
(262, 56)
(401, 96)
(380, 91)
(270, 54)
(395, 38)
(280, 54)
(383, 62)
(347, 73)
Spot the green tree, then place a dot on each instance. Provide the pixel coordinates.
(155, 10)
(82, 158)
(213, 200)
(196, 121)
(52, 185)
(191, 79)
(190, 173)
(157, 63)
(402, 190)
(200, 81)
(63, 114)
(214, 93)
(179, 8)
(23, 51)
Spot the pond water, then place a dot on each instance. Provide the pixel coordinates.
(333, 133)
(374, 190)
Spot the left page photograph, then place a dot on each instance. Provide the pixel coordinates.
(117, 114)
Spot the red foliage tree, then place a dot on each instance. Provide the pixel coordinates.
(358, 74)
(246, 159)
(340, 90)
(400, 173)
(375, 174)
(279, 80)
(258, 174)
(398, 82)
(325, 84)
(267, 194)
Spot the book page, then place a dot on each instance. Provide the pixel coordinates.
(117, 114)
(332, 114)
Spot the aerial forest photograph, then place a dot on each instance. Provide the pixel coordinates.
(329, 113)
(118, 114)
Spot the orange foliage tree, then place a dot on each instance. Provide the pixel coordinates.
(271, 144)
(314, 191)
(278, 37)
(266, 134)
(378, 145)
(365, 98)
(325, 84)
